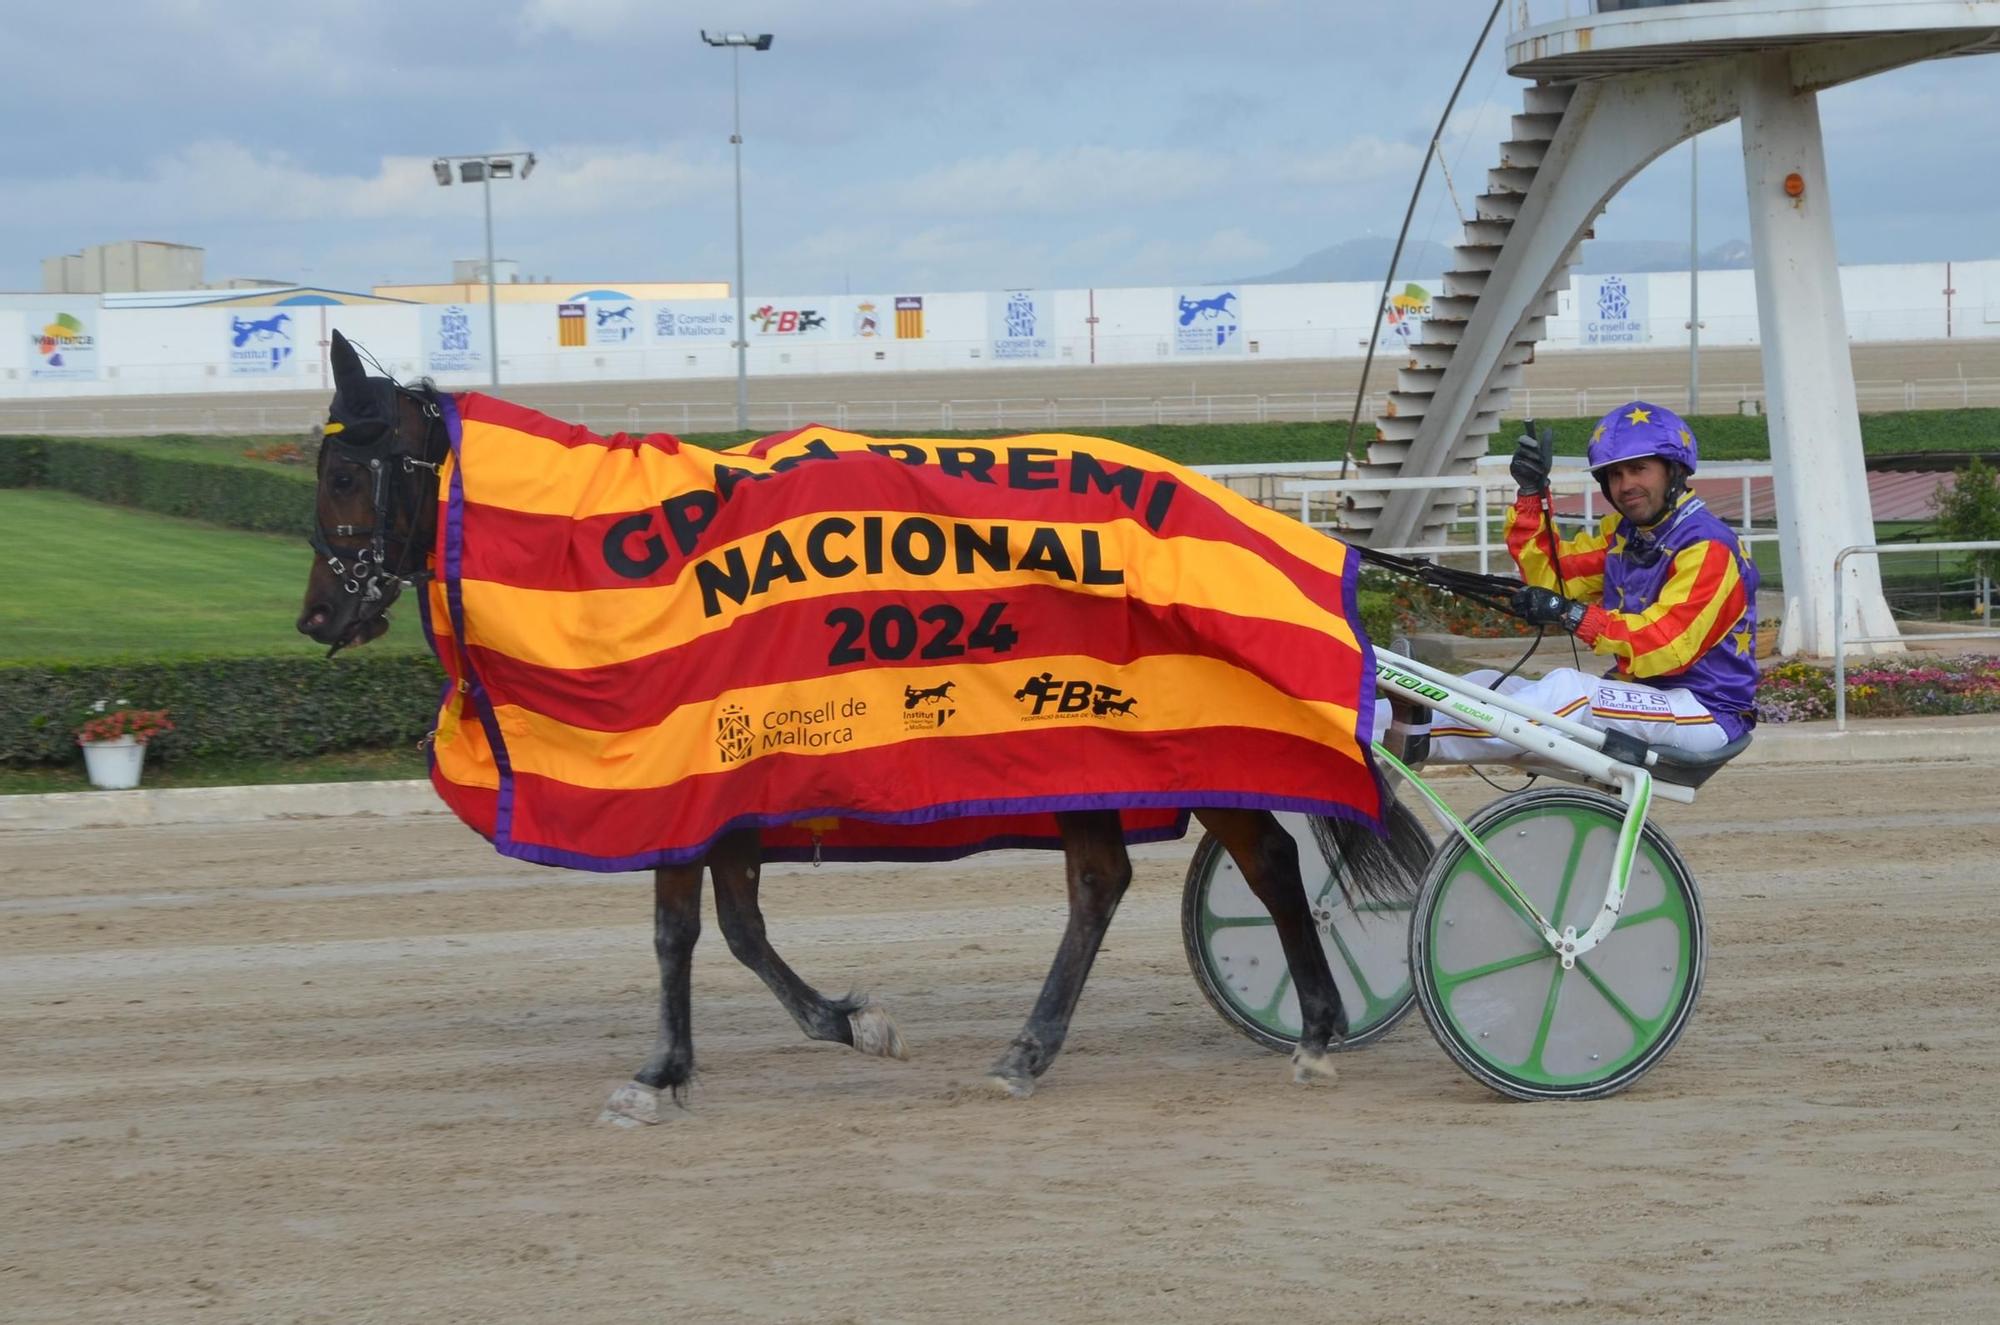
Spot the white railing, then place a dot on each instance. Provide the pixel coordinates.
(1475, 492)
(1841, 639)
(98, 417)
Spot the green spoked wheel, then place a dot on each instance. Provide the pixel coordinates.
(1233, 949)
(1495, 995)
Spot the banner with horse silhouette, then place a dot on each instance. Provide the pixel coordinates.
(873, 649)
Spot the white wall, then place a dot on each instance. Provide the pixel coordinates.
(164, 350)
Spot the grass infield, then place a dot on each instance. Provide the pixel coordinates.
(91, 582)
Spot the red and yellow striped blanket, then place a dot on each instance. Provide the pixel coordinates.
(873, 649)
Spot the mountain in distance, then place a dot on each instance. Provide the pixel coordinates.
(1367, 258)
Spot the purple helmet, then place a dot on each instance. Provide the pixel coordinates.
(1641, 429)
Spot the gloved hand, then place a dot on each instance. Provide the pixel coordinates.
(1545, 607)
(1530, 474)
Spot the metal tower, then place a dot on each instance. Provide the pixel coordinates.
(1612, 90)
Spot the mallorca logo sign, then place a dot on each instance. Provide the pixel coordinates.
(1019, 322)
(262, 346)
(64, 348)
(1611, 312)
(455, 339)
(1403, 315)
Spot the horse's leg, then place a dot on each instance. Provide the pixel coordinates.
(676, 926)
(854, 1020)
(1098, 872)
(1269, 861)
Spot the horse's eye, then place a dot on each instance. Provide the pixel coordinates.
(343, 483)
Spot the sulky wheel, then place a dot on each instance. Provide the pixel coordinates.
(1495, 995)
(1233, 949)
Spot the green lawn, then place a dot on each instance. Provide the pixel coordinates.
(86, 582)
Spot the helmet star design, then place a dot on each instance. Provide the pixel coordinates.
(1638, 429)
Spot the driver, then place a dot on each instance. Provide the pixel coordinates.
(1661, 586)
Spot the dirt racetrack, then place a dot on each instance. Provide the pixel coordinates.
(347, 1070)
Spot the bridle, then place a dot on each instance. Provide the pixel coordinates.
(366, 572)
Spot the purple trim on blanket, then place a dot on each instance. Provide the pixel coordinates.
(454, 559)
(1156, 800)
(444, 691)
(1364, 704)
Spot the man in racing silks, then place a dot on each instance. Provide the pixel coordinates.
(1662, 586)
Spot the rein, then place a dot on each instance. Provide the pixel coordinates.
(366, 572)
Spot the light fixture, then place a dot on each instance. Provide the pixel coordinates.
(483, 169)
(1795, 185)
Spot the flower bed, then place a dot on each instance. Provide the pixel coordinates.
(1906, 687)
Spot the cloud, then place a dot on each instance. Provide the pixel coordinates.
(1028, 180)
(1365, 158)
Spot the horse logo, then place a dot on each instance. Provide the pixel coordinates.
(1207, 308)
(1102, 703)
(262, 329)
(808, 319)
(624, 314)
(935, 710)
(913, 696)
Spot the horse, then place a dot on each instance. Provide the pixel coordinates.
(375, 527)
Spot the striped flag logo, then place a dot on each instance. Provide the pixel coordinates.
(572, 324)
(909, 317)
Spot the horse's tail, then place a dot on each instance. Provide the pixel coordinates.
(1384, 870)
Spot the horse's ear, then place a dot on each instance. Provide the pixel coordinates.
(349, 377)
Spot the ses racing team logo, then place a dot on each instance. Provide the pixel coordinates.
(1051, 697)
(733, 736)
(926, 708)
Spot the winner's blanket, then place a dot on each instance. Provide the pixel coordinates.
(873, 649)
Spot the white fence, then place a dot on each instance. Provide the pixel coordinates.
(99, 417)
(1476, 501)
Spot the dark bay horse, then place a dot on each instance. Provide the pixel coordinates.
(376, 528)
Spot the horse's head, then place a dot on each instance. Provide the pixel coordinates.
(376, 508)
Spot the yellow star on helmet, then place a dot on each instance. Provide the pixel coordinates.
(1597, 434)
(1639, 415)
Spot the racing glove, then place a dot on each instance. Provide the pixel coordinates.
(1545, 607)
(1530, 474)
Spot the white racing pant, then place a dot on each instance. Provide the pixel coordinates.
(1672, 718)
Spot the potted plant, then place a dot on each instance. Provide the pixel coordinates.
(113, 737)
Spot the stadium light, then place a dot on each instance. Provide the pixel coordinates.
(483, 169)
(737, 43)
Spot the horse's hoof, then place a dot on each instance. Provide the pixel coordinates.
(1019, 1086)
(631, 1105)
(1309, 1066)
(875, 1032)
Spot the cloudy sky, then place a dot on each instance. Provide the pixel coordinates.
(922, 144)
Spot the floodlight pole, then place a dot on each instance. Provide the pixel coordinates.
(442, 168)
(492, 299)
(742, 325)
(736, 41)
(1694, 281)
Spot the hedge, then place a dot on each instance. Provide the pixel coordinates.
(173, 479)
(228, 707)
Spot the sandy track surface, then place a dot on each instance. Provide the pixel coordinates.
(347, 1071)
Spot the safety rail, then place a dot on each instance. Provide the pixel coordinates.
(1566, 480)
(103, 416)
(1841, 639)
